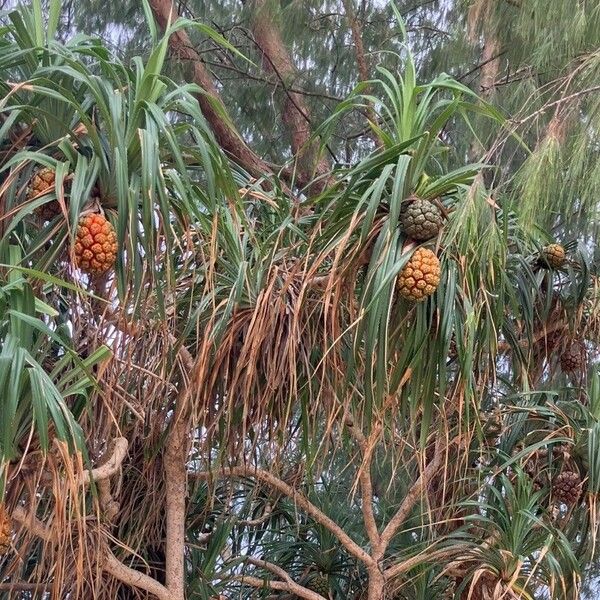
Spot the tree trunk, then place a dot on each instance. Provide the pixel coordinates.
(210, 101)
(295, 112)
(376, 584)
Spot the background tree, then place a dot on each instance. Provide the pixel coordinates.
(250, 402)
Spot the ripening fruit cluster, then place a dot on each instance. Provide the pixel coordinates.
(320, 584)
(553, 256)
(95, 244)
(420, 220)
(572, 358)
(420, 276)
(566, 487)
(42, 183)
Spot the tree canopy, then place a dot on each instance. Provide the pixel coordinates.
(299, 299)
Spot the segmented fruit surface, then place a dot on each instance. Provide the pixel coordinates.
(572, 358)
(420, 276)
(553, 255)
(41, 183)
(319, 584)
(421, 219)
(95, 244)
(5, 530)
(566, 487)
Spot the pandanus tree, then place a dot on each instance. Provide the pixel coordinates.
(225, 376)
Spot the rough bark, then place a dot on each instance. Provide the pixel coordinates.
(376, 584)
(175, 466)
(210, 101)
(176, 487)
(295, 112)
(361, 61)
(490, 59)
(479, 26)
(134, 578)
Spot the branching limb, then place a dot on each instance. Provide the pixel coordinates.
(410, 500)
(210, 101)
(31, 523)
(460, 565)
(263, 564)
(366, 484)
(284, 586)
(109, 506)
(134, 578)
(111, 466)
(428, 556)
(306, 505)
(296, 115)
(111, 564)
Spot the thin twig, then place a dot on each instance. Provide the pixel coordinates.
(556, 326)
(269, 81)
(259, 520)
(18, 586)
(544, 108)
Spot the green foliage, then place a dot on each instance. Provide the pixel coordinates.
(267, 321)
(43, 379)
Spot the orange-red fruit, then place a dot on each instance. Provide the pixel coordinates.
(95, 244)
(421, 275)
